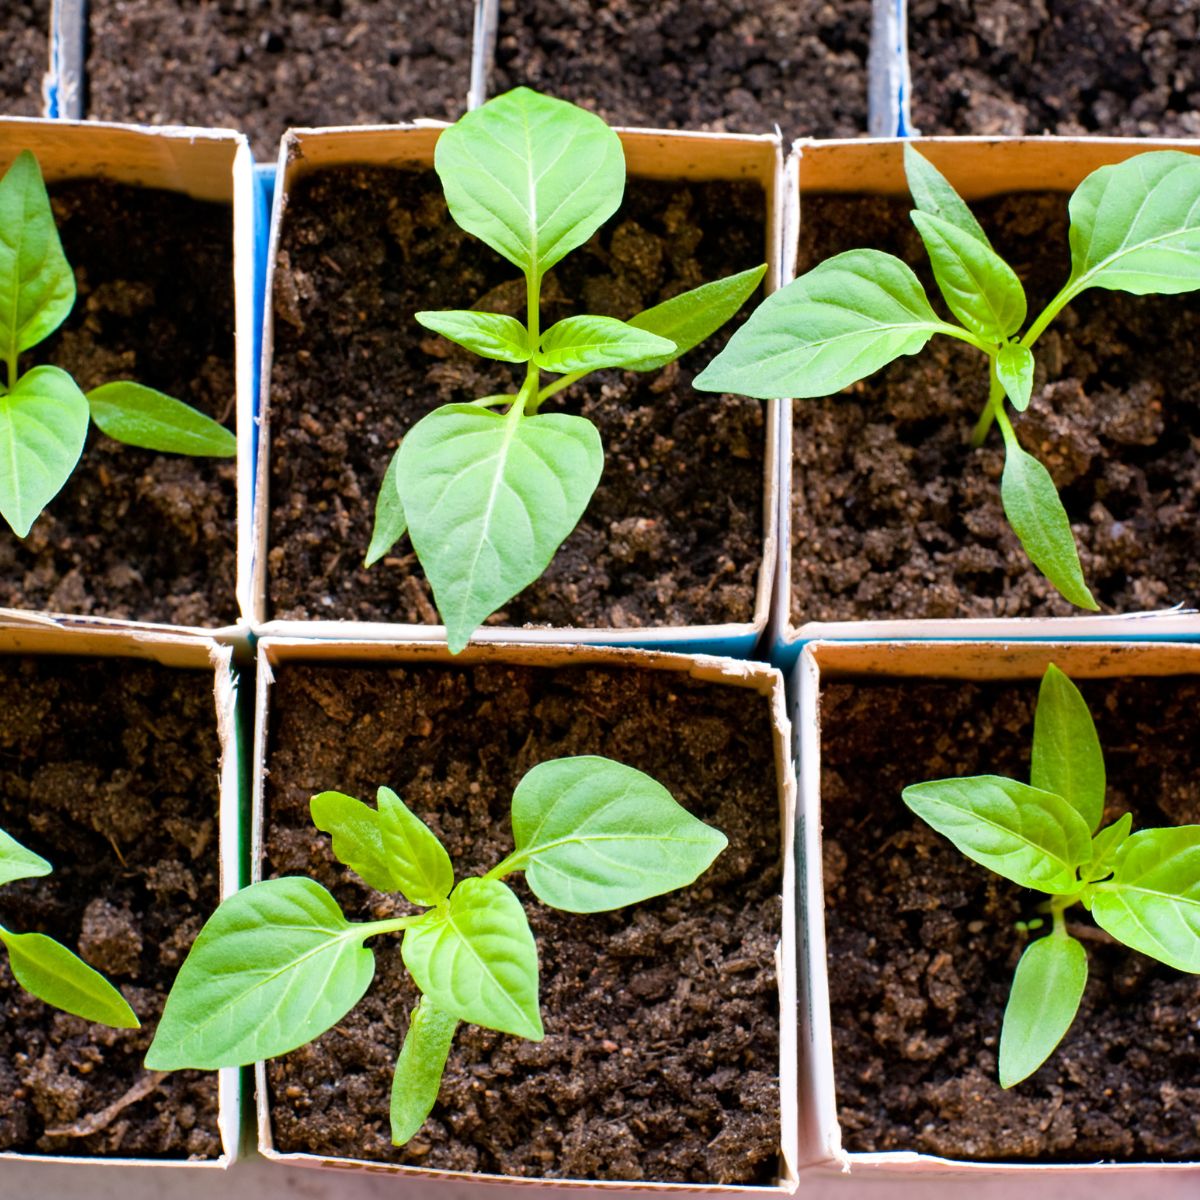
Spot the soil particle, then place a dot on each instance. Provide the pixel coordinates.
(1056, 66)
(661, 1049)
(673, 534)
(729, 65)
(926, 942)
(894, 515)
(108, 769)
(136, 534)
(25, 36)
(263, 66)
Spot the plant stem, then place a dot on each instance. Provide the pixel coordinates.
(995, 405)
(557, 386)
(514, 862)
(1064, 297)
(371, 928)
(533, 316)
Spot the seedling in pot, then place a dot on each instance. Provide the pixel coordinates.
(487, 497)
(46, 968)
(278, 964)
(43, 413)
(1143, 889)
(1135, 227)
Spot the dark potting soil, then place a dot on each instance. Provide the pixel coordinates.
(925, 942)
(673, 534)
(136, 534)
(1127, 67)
(262, 66)
(734, 65)
(660, 1060)
(25, 36)
(894, 515)
(108, 769)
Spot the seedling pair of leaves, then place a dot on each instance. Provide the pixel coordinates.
(1135, 227)
(1143, 889)
(278, 963)
(46, 968)
(488, 497)
(43, 413)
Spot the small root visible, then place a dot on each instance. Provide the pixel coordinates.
(105, 1117)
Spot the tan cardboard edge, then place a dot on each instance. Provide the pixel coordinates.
(206, 164)
(654, 154)
(822, 1140)
(189, 653)
(767, 681)
(978, 167)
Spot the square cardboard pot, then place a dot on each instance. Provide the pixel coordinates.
(650, 155)
(204, 165)
(141, 739)
(337, 711)
(1004, 729)
(979, 168)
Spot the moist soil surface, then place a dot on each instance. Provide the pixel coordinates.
(1056, 66)
(894, 515)
(660, 1060)
(108, 769)
(136, 534)
(25, 36)
(923, 943)
(733, 65)
(263, 66)
(673, 534)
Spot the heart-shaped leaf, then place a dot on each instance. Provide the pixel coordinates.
(141, 416)
(18, 863)
(587, 343)
(493, 335)
(1067, 759)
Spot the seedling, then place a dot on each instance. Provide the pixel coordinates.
(488, 497)
(277, 964)
(1135, 227)
(43, 414)
(1144, 890)
(46, 968)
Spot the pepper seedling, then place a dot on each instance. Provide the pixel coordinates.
(46, 968)
(278, 963)
(1135, 227)
(43, 413)
(1142, 889)
(487, 498)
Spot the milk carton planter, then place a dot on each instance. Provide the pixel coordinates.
(911, 948)
(121, 770)
(588, 1102)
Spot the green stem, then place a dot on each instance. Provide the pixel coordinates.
(557, 386)
(533, 317)
(1064, 297)
(514, 862)
(372, 928)
(994, 406)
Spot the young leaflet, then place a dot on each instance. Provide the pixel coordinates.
(46, 968)
(1143, 889)
(43, 413)
(1135, 227)
(278, 964)
(487, 497)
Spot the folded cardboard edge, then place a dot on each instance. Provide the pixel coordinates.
(276, 652)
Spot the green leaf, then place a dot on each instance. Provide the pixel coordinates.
(390, 525)
(589, 343)
(1045, 997)
(491, 334)
(1104, 848)
(689, 318)
(932, 193)
(18, 863)
(489, 499)
(981, 289)
(1014, 369)
(835, 325)
(141, 416)
(1039, 520)
(593, 835)
(37, 286)
(52, 973)
(1152, 902)
(1135, 226)
(1032, 837)
(1067, 759)
(532, 176)
(419, 1069)
(276, 965)
(475, 958)
(43, 426)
